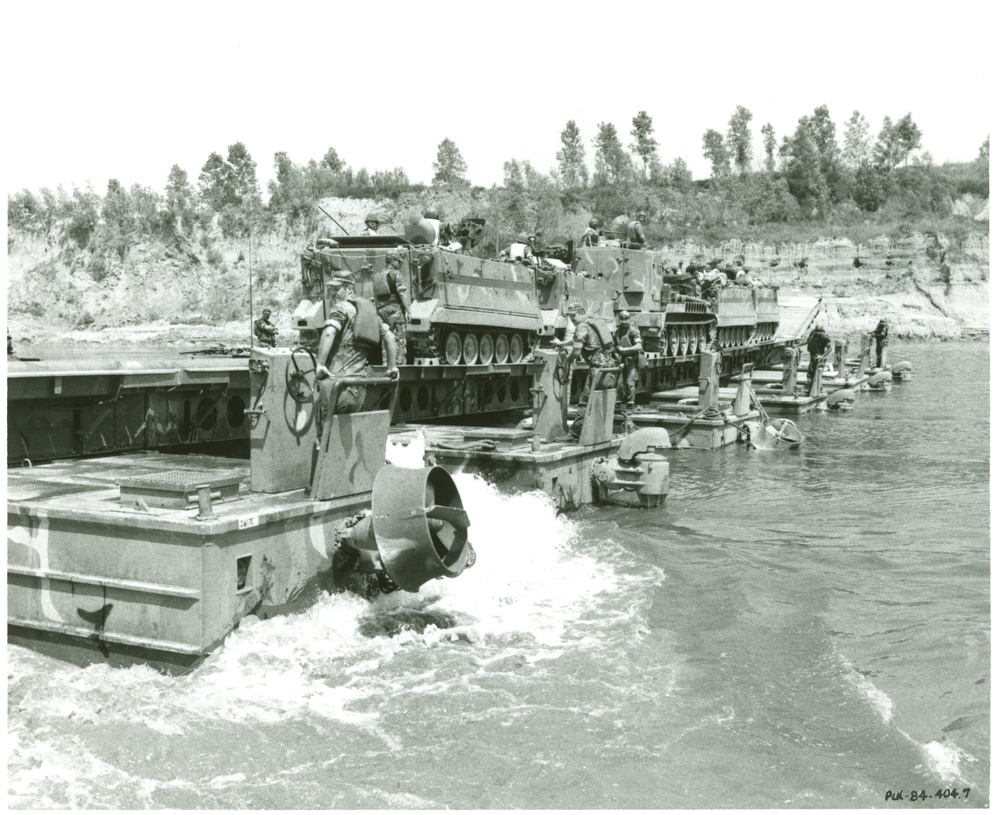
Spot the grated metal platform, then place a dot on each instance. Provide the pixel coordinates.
(179, 488)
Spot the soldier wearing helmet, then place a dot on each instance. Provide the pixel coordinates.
(592, 342)
(591, 236)
(635, 236)
(628, 341)
(372, 224)
(352, 329)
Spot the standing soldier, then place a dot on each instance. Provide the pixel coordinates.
(628, 341)
(264, 330)
(591, 236)
(372, 224)
(881, 335)
(818, 345)
(592, 342)
(351, 331)
(636, 237)
(392, 301)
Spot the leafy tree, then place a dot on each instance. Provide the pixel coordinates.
(770, 145)
(215, 182)
(803, 168)
(739, 143)
(908, 136)
(332, 161)
(611, 162)
(320, 180)
(230, 182)
(528, 202)
(180, 198)
(117, 229)
(714, 149)
(449, 167)
(116, 211)
(84, 216)
(289, 192)
(243, 172)
(571, 158)
(984, 151)
(644, 145)
(896, 141)
(678, 175)
(871, 185)
(390, 183)
(25, 212)
(148, 216)
(857, 141)
(824, 133)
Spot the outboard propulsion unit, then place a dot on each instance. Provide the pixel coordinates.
(417, 531)
(640, 474)
(417, 528)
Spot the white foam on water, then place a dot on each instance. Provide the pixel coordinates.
(530, 596)
(945, 759)
(876, 698)
(537, 590)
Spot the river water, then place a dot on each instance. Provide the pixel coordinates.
(803, 629)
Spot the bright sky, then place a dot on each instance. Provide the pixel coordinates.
(106, 89)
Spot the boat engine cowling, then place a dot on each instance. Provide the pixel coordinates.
(902, 370)
(639, 476)
(417, 530)
(878, 382)
(842, 399)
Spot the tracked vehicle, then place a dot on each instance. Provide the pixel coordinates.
(464, 309)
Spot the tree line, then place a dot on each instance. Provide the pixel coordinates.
(811, 176)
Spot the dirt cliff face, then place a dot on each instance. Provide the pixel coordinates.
(925, 286)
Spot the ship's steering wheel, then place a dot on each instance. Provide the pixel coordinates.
(300, 374)
(561, 372)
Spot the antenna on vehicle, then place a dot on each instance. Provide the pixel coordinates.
(328, 215)
(250, 281)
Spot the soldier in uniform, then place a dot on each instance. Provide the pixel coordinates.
(817, 345)
(392, 301)
(372, 224)
(351, 331)
(881, 335)
(628, 341)
(591, 236)
(636, 237)
(592, 342)
(264, 330)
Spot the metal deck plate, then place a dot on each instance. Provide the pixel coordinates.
(178, 488)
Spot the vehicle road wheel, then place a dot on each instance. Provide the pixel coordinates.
(470, 348)
(516, 348)
(501, 348)
(673, 341)
(452, 348)
(486, 349)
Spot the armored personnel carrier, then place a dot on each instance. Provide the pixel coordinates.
(463, 310)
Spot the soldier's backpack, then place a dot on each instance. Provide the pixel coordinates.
(604, 334)
(366, 324)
